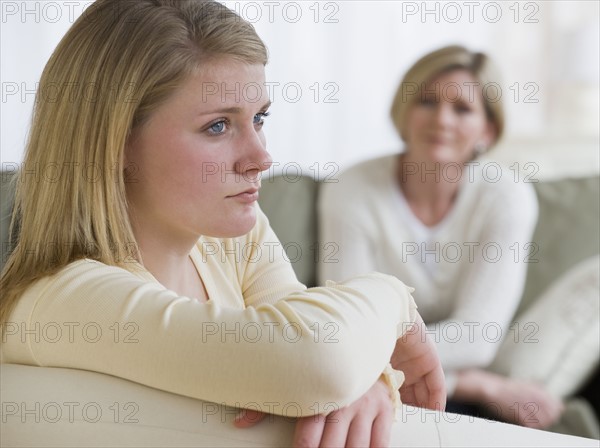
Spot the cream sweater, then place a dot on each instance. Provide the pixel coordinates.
(262, 339)
(468, 271)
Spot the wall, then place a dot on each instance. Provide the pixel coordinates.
(335, 66)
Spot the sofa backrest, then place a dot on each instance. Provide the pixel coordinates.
(6, 204)
(290, 204)
(567, 232)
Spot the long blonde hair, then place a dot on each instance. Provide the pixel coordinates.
(117, 63)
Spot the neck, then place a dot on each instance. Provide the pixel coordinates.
(430, 188)
(167, 259)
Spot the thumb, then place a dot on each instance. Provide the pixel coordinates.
(248, 417)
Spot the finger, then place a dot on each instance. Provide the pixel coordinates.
(421, 394)
(248, 417)
(336, 427)
(309, 431)
(413, 371)
(539, 421)
(359, 433)
(436, 383)
(407, 395)
(382, 430)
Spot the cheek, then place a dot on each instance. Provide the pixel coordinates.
(473, 128)
(189, 162)
(416, 122)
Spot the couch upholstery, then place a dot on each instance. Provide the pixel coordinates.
(50, 407)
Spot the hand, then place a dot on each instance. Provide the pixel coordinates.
(415, 354)
(524, 403)
(366, 422)
(510, 400)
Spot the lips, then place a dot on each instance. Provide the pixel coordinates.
(438, 140)
(248, 196)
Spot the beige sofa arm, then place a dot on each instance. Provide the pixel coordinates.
(63, 407)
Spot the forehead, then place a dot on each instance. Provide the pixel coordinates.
(457, 84)
(224, 83)
(458, 76)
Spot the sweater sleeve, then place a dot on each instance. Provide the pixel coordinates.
(490, 289)
(311, 349)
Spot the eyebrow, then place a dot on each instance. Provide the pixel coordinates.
(233, 110)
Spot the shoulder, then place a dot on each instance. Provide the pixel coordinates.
(87, 273)
(73, 286)
(359, 181)
(496, 188)
(369, 170)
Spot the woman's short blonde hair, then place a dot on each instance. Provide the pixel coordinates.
(441, 61)
(115, 66)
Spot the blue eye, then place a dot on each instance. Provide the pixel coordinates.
(259, 118)
(217, 128)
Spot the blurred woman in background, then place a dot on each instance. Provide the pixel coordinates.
(439, 218)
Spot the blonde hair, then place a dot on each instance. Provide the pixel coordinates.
(441, 61)
(117, 63)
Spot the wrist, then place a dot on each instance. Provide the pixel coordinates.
(476, 385)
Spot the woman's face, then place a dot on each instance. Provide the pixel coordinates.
(199, 157)
(448, 120)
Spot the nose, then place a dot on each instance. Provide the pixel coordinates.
(443, 114)
(254, 157)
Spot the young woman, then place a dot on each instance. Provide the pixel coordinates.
(446, 222)
(146, 218)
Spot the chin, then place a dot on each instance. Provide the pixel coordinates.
(235, 226)
(443, 156)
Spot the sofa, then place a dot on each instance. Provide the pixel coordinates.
(567, 234)
(62, 407)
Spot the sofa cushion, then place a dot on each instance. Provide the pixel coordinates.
(290, 204)
(556, 341)
(6, 205)
(567, 232)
